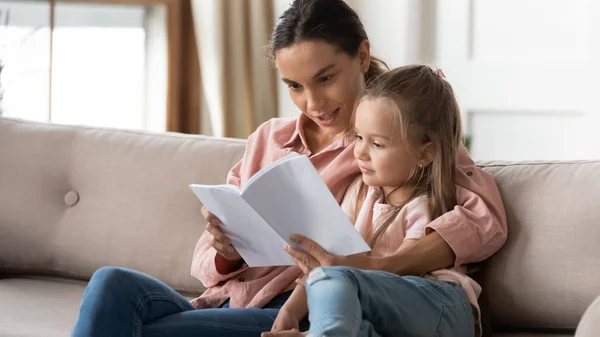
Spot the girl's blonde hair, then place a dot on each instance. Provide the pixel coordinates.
(425, 110)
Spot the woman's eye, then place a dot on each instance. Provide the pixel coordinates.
(324, 78)
(377, 145)
(358, 137)
(294, 86)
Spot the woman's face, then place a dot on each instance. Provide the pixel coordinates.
(324, 82)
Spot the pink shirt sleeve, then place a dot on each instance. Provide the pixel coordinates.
(476, 228)
(203, 264)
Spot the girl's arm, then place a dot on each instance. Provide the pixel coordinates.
(293, 311)
(297, 304)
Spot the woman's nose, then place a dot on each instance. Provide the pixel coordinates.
(315, 101)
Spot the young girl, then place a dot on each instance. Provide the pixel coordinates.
(408, 132)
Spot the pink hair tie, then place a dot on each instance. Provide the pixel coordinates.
(439, 73)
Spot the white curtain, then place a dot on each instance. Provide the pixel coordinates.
(238, 80)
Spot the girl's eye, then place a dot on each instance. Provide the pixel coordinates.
(359, 137)
(324, 78)
(377, 145)
(295, 86)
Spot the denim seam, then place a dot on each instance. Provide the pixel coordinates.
(142, 302)
(444, 309)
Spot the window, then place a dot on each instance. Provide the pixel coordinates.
(97, 64)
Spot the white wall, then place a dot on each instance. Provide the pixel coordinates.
(393, 28)
(284, 103)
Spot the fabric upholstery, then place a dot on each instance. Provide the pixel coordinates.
(73, 199)
(590, 322)
(38, 307)
(547, 273)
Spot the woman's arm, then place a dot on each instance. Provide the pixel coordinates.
(417, 258)
(205, 261)
(208, 265)
(476, 228)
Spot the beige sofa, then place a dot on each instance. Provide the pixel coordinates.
(74, 199)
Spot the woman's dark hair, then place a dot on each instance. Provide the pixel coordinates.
(331, 21)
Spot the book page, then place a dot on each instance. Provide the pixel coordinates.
(268, 168)
(251, 236)
(293, 199)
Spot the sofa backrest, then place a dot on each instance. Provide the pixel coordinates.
(73, 199)
(548, 271)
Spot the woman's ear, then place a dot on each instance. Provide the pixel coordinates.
(364, 55)
(426, 154)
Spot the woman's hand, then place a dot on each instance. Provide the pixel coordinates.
(220, 241)
(285, 320)
(315, 256)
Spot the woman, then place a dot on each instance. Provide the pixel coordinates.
(323, 54)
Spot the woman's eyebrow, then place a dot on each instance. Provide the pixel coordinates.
(288, 82)
(319, 73)
(323, 70)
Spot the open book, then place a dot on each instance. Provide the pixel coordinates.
(284, 198)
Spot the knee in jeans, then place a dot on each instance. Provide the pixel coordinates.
(109, 276)
(329, 273)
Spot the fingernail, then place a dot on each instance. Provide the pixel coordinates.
(286, 247)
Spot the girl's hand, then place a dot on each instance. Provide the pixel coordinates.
(285, 320)
(220, 241)
(315, 256)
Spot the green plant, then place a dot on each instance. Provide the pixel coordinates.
(467, 142)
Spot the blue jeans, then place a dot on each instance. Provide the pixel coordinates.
(350, 302)
(122, 302)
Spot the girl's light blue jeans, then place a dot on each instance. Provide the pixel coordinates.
(350, 302)
(121, 302)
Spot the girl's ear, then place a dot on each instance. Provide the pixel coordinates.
(426, 154)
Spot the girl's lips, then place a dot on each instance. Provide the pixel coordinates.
(365, 170)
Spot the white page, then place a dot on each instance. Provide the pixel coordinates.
(268, 168)
(256, 242)
(293, 199)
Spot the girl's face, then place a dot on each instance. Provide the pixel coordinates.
(384, 158)
(323, 81)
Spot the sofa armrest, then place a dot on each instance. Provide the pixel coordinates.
(589, 326)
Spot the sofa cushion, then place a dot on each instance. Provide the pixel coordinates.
(590, 322)
(73, 199)
(547, 273)
(39, 307)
